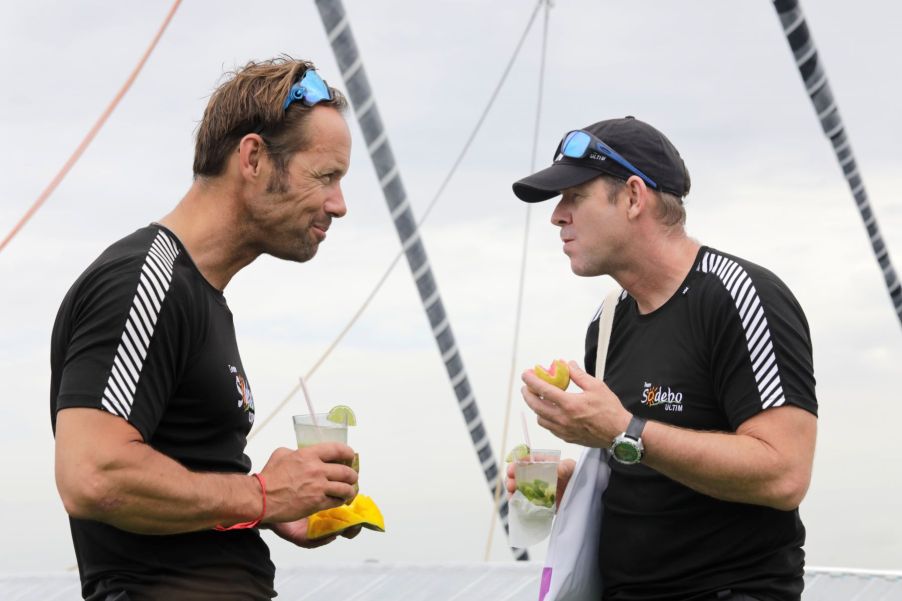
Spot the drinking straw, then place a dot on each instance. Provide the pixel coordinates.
(525, 431)
(319, 433)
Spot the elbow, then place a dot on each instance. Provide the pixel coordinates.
(76, 496)
(75, 506)
(789, 490)
(788, 502)
(85, 493)
(93, 454)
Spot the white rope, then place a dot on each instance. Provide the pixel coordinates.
(511, 377)
(420, 222)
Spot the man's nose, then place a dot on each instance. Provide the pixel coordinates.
(561, 215)
(335, 205)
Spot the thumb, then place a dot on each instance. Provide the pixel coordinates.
(579, 376)
(565, 469)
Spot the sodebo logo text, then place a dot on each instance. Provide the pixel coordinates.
(657, 395)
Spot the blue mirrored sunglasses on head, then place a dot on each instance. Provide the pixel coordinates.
(578, 144)
(310, 90)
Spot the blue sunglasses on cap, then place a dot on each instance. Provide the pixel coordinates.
(579, 144)
(310, 90)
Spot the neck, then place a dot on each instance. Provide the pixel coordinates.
(208, 223)
(659, 270)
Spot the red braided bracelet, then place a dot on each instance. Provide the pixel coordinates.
(245, 525)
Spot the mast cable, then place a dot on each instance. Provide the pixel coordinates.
(814, 78)
(520, 290)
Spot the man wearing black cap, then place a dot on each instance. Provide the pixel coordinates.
(708, 402)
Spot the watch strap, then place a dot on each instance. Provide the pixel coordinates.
(635, 427)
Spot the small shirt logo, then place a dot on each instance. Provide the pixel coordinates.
(245, 396)
(654, 395)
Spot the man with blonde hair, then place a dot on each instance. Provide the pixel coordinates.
(150, 403)
(707, 404)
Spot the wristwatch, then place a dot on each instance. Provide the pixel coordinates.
(627, 447)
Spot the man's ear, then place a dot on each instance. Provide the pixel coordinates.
(638, 194)
(250, 156)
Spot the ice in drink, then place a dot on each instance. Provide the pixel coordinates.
(535, 476)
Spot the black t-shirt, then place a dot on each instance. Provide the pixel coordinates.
(730, 343)
(142, 335)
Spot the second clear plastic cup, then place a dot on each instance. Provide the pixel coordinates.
(536, 476)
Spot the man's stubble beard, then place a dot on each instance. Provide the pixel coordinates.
(304, 249)
(278, 181)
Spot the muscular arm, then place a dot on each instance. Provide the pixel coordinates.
(766, 462)
(105, 472)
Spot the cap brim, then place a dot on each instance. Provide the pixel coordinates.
(549, 182)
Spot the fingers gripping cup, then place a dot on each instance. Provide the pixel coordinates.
(313, 429)
(361, 511)
(533, 503)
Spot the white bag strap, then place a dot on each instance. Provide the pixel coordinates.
(571, 562)
(604, 331)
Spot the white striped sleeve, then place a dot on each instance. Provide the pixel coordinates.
(754, 323)
(147, 303)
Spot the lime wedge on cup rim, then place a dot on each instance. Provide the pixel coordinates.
(342, 414)
(518, 452)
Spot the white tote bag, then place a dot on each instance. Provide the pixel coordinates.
(571, 571)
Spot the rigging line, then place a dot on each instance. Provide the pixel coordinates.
(814, 78)
(92, 133)
(331, 347)
(485, 113)
(422, 219)
(520, 290)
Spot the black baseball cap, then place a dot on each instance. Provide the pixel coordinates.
(643, 146)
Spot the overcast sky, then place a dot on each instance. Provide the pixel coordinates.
(717, 77)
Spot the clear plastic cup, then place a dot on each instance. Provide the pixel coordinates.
(308, 434)
(536, 476)
(533, 505)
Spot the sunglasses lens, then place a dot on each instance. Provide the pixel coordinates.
(310, 90)
(575, 144)
(315, 89)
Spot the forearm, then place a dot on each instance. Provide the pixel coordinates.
(126, 483)
(767, 461)
(727, 466)
(149, 493)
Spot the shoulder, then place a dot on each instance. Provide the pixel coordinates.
(740, 284)
(130, 254)
(758, 332)
(142, 265)
(732, 271)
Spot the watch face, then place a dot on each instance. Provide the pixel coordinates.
(626, 453)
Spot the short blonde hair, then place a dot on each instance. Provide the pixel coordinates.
(669, 209)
